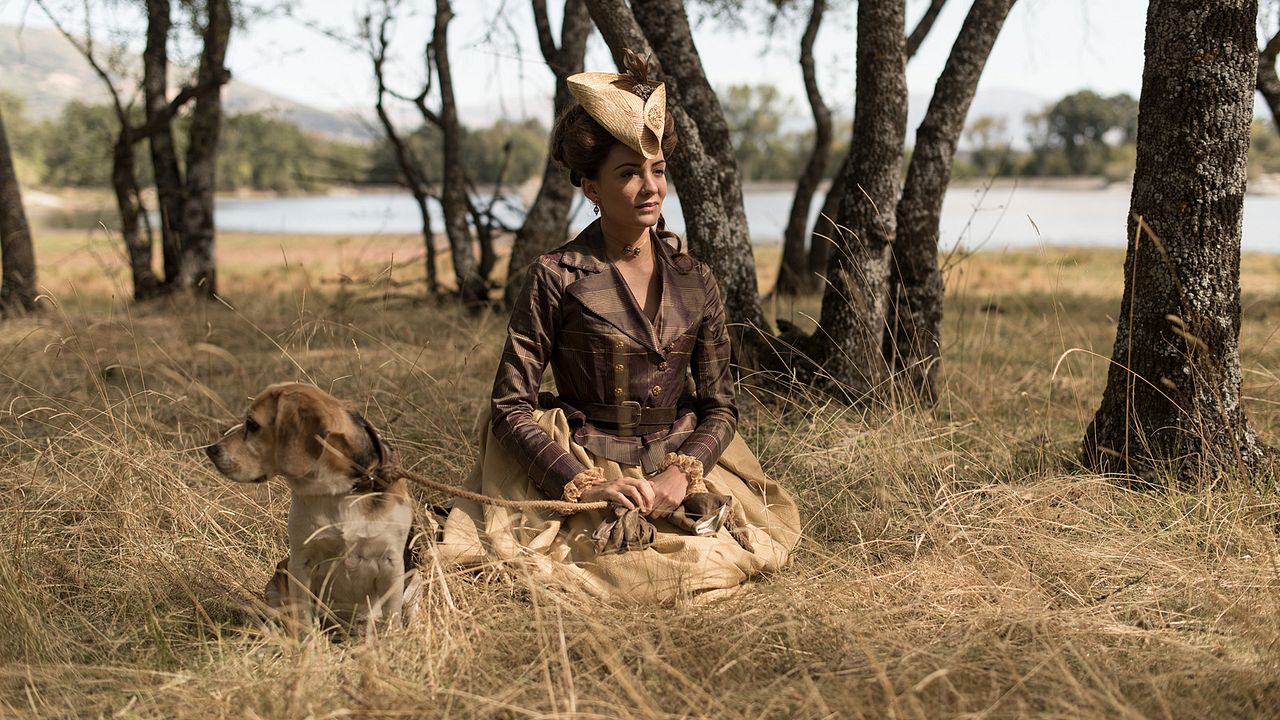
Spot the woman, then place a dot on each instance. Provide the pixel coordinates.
(624, 321)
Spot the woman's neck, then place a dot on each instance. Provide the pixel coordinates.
(618, 238)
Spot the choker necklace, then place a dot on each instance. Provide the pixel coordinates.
(633, 250)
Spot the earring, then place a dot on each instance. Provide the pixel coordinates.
(595, 207)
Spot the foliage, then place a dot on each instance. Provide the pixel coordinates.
(24, 138)
(1264, 148)
(755, 115)
(991, 153)
(262, 152)
(78, 145)
(484, 150)
(1076, 135)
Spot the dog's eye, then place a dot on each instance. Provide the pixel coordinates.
(250, 425)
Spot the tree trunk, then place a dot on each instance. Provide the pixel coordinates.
(1268, 80)
(198, 269)
(547, 223)
(17, 259)
(820, 246)
(1172, 399)
(912, 341)
(471, 287)
(703, 168)
(484, 240)
(824, 230)
(164, 158)
(124, 181)
(848, 342)
(793, 274)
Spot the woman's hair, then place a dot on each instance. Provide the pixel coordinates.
(581, 144)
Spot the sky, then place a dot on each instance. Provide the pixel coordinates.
(1047, 48)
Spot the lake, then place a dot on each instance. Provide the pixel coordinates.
(997, 218)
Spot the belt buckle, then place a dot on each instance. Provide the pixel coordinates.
(634, 422)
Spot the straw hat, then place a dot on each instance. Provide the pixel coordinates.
(612, 99)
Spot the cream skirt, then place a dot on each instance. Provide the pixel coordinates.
(555, 548)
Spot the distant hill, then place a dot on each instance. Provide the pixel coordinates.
(1001, 102)
(41, 67)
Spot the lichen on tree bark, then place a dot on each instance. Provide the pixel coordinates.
(1172, 399)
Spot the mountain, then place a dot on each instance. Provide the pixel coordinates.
(46, 71)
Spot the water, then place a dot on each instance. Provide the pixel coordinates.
(998, 218)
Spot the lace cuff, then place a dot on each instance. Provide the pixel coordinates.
(587, 478)
(692, 469)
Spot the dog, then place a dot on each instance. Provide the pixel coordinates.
(351, 560)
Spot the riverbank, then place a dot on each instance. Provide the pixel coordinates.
(75, 263)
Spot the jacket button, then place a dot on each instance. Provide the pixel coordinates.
(620, 345)
(617, 392)
(657, 389)
(663, 366)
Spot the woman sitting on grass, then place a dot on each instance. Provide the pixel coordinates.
(624, 320)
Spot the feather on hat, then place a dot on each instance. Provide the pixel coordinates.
(633, 109)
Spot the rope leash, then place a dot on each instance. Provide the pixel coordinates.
(393, 473)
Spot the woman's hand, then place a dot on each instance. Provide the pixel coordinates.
(669, 489)
(629, 492)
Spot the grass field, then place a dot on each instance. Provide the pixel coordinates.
(956, 562)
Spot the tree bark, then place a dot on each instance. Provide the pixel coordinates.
(912, 341)
(1172, 400)
(198, 269)
(793, 273)
(471, 286)
(17, 258)
(164, 158)
(547, 223)
(484, 240)
(703, 167)
(124, 181)
(847, 344)
(824, 229)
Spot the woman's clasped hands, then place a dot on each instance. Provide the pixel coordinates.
(655, 497)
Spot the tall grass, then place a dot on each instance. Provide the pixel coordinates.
(956, 562)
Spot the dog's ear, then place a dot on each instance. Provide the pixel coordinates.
(298, 430)
(377, 451)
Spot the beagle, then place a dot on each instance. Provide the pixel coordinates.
(350, 535)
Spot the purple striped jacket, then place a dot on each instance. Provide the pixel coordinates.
(577, 315)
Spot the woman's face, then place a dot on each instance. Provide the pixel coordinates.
(629, 189)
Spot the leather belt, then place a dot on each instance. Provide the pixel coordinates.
(627, 419)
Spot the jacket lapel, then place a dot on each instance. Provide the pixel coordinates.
(602, 290)
(683, 297)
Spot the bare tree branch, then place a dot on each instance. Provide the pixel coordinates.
(917, 36)
(546, 41)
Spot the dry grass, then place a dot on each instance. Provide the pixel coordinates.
(956, 562)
